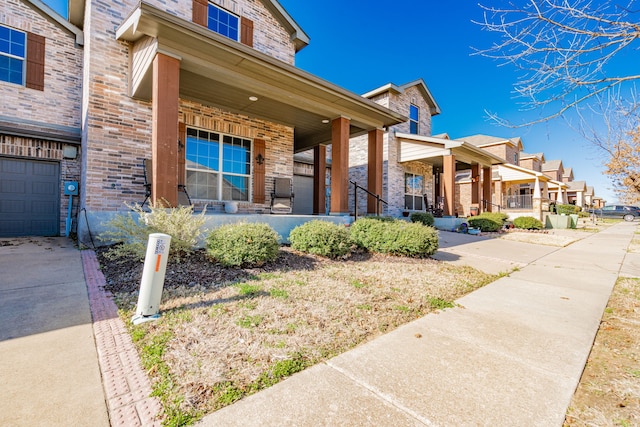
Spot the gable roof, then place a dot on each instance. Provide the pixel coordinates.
(55, 17)
(422, 86)
(486, 140)
(576, 186)
(568, 172)
(539, 156)
(552, 165)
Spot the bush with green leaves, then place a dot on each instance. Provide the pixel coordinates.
(422, 217)
(567, 209)
(527, 223)
(131, 230)
(243, 244)
(322, 238)
(485, 223)
(396, 238)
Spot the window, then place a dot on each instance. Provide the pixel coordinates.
(223, 22)
(413, 191)
(515, 159)
(218, 166)
(12, 55)
(414, 119)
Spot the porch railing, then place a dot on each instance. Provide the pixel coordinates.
(486, 203)
(523, 201)
(357, 187)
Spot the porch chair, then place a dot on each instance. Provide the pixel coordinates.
(183, 196)
(282, 196)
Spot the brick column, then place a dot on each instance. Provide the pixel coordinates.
(449, 180)
(374, 169)
(164, 136)
(475, 185)
(340, 166)
(319, 179)
(486, 188)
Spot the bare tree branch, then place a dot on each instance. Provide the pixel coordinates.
(563, 49)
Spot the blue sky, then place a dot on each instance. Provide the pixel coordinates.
(364, 44)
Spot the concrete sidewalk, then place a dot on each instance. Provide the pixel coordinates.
(511, 354)
(48, 361)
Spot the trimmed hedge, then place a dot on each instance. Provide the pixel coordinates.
(322, 238)
(243, 244)
(395, 238)
(422, 217)
(567, 209)
(488, 221)
(527, 223)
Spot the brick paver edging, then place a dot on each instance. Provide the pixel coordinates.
(126, 384)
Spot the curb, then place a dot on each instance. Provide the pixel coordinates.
(126, 385)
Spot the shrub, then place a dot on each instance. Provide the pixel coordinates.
(484, 223)
(322, 238)
(422, 217)
(488, 221)
(131, 230)
(395, 238)
(243, 244)
(366, 233)
(567, 209)
(527, 223)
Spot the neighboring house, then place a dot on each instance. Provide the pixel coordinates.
(207, 90)
(418, 170)
(41, 57)
(589, 195)
(576, 191)
(531, 161)
(567, 176)
(553, 169)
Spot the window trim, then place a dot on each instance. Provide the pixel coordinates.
(414, 122)
(414, 195)
(238, 18)
(24, 59)
(220, 172)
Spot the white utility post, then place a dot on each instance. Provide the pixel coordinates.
(155, 267)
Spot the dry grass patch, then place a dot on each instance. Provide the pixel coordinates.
(218, 342)
(609, 390)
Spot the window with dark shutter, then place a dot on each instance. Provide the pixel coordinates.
(259, 151)
(35, 62)
(246, 34)
(200, 11)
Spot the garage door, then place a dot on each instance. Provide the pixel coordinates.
(29, 198)
(303, 195)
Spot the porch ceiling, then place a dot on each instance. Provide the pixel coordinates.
(432, 150)
(223, 73)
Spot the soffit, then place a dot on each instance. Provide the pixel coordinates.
(219, 72)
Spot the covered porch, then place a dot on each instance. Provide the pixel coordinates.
(525, 192)
(176, 62)
(447, 159)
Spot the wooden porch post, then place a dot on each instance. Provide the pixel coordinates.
(164, 133)
(449, 179)
(340, 166)
(374, 168)
(486, 187)
(319, 179)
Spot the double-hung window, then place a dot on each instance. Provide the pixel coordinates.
(218, 166)
(223, 22)
(12, 55)
(413, 191)
(414, 119)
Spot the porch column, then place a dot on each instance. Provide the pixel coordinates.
(536, 203)
(340, 166)
(560, 198)
(486, 188)
(475, 185)
(164, 133)
(374, 168)
(449, 179)
(536, 189)
(319, 180)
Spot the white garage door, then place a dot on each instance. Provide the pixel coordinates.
(29, 198)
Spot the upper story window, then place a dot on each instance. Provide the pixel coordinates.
(223, 22)
(414, 119)
(515, 159)
(12, 55)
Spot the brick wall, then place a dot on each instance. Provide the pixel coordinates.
(117, 135)
(60, 101)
